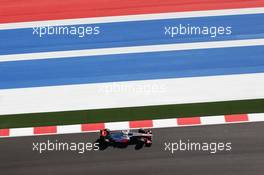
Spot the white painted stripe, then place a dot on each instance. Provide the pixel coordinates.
(22, 131)
(164, 123)
(141, 17)
(133, 49)
(69, 129)
(98, 96)
(117, 125)
(256, 117)
(209, 120)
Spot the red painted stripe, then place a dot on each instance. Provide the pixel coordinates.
(93, 126)
(189, 121)
(45, 130)
(236, 118)
(32, 10)
(4, 132)
(141, 124)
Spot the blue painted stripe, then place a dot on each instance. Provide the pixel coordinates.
(131, 34)
(125, 67)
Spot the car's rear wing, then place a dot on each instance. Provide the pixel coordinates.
(104, 132)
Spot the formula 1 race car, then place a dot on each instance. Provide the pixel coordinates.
(138, 137)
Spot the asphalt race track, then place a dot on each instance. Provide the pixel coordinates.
(246, 156)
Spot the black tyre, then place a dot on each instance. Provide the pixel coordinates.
(148, 144)
(141, 131)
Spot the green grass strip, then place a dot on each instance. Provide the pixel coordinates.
(133, 113)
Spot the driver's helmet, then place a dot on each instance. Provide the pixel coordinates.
(125, 131)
